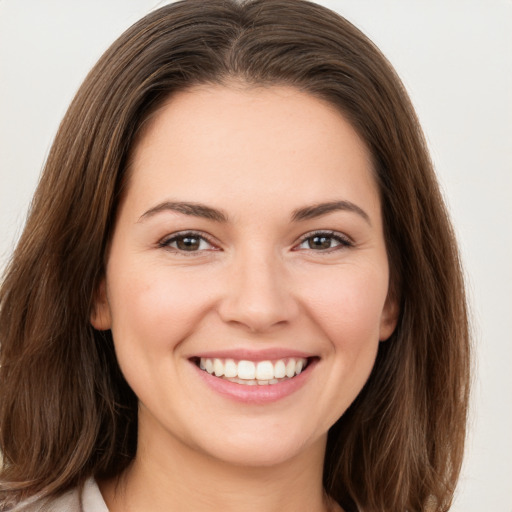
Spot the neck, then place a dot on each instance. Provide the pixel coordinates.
(167, 475)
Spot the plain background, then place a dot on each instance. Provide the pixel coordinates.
(455, 58)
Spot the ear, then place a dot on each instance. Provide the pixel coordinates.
(101, 318)
(389, 317)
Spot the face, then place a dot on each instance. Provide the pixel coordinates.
(247, 280)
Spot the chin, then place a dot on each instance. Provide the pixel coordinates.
(263, 447)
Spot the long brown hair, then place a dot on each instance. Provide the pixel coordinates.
(66, 412)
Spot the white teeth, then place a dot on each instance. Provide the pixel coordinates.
(248, 372)
(218, 367)
(230, 368)
(290, 368)
(265, 370)
(279, 370)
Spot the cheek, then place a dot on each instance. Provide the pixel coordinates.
(152, 311)
(348, 305)
(152, 314)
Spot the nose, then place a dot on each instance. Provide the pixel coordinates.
(258, 294)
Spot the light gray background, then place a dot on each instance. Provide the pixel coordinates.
(455, 57)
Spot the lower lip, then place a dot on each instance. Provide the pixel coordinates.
(257, 394)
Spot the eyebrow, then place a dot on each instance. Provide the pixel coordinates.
(317, 210)
(207, 212)
(186, 208)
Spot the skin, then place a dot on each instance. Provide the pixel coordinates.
(256, 281)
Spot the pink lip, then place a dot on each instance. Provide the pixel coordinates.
(254, 355)
(256, 394)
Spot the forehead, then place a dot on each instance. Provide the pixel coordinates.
(259, 142)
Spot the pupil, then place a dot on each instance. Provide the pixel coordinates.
(320, 242)
(188, 243)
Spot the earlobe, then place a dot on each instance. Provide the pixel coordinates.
(389, 318)
(100, 314)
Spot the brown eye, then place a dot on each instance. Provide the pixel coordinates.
(325, 242)
(187, 242)
(320, 242)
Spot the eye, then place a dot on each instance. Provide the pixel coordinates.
(187, 242)
(324, 241)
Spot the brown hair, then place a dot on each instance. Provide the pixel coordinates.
(66, 411)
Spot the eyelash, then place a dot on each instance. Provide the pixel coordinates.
(166, 242)
(342, 240)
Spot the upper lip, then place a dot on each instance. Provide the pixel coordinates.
(253, 355)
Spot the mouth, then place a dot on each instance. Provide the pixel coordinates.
(254, 373)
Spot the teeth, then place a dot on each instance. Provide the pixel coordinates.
(279, 370)
(290, 368)
(230, 368)
(218, 367)
(247, 372)
(264, 370)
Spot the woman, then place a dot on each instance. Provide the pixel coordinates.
(238, 286)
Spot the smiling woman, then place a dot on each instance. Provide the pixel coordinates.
(227, 282)
(289, 298)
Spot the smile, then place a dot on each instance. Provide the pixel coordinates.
(251, 373)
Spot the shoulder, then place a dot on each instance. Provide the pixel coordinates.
(84, 499)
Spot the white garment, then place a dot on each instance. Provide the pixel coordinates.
(88, 500)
